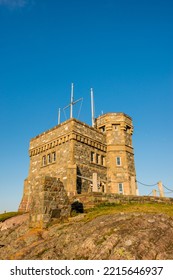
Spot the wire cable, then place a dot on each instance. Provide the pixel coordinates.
(65, 113)
(167, 192)
(152, 185)
(80, 108)
(167, 188)
(149, 193)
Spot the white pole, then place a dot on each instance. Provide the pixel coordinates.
(160, 187)
(59, 116)
(92, 107)
(71, 104)
(154, 193)
(95, 187)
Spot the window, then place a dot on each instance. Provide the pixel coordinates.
(92, 156)
(103, 160)
(118, 161)
(120, 188)
(97, 158)
(128, 129)
(49, 158)
(54, 156)
(102, 128)
(115, 127)
(44, 160)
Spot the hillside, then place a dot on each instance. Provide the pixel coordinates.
(107, 232)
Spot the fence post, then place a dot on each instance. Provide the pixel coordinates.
(95, 188)
(154, 193)
(161, 191)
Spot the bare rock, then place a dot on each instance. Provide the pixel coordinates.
(117, 236)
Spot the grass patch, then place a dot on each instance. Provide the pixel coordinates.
(8, 215)
(113, 208)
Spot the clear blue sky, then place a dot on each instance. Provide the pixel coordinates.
(121, 48)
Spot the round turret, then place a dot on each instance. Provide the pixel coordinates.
(118, 129)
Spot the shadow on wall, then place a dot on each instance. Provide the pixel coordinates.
(79, 182)
(56, 213)
(77, 207)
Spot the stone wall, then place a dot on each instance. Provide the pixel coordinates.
(85, 167)
(49, 200)
(93, 199)
(118, 130)
(56, 140)
(72, 142)
(25, 202)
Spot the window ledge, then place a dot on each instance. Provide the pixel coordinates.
(48, 164)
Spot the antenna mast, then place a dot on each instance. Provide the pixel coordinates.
(92, 108)
(72, 102)
(59, 115)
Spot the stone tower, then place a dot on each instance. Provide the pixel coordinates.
(84, 158)
(121, 175)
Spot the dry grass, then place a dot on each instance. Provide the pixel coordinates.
(111, 208)
(8, 215)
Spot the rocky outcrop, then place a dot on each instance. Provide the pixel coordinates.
(14, 221)
(132, 236)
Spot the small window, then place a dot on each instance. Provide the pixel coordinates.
(120, 188)
(118, 161)
(128, 129)
(54, 156)
(49, 158)
(92, 156)
(44, 160)
(97, 159)
(115, 126)
(102, 128)
(103, 160)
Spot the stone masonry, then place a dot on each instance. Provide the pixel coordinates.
(76, 153)
(48, 200)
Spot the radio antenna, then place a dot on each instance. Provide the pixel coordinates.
(59, 115)
(92, 108)
(72, 102)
